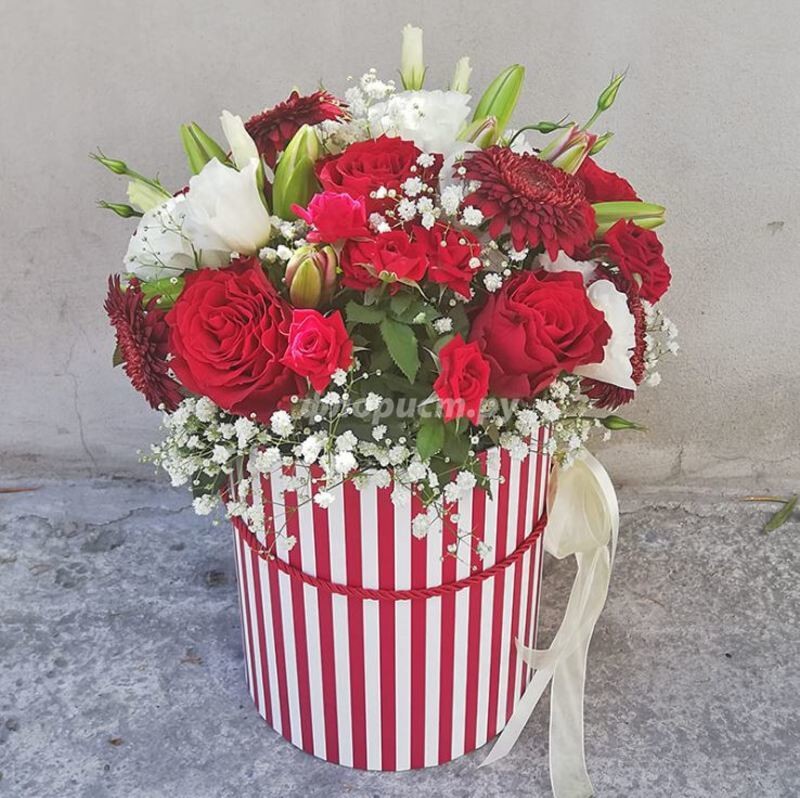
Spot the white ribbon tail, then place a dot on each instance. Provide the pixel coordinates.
(583, 521)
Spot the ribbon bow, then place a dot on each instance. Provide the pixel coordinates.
(583, 519)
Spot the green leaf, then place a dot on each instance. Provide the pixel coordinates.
(400, 302)
(361, 314)
(456, 444)
(211, 148)
(430, 438)
(782, 516)
(402, 345)
(195, 154)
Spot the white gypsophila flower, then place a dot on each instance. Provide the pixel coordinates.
(443, 326)
(378, 223)
(372, 402)
(344, 463)
(281, 423)
(398, 453)
(431, 119)
(471, 216)
(227, 430)
(517, 256)
(527, 422)
(401, 495)
(515, 445)
(616, 367)
(324, 499)
(548, 410)
(412, 186)
(331, 399)
(428, 220)
(417, 471)
(311, 448)
(245, 431)
(425, 205)
(378, 432)
(425, 160)
(266, 460)
(559, 390)
(205, 410)
(492, 282)
(221, 454)
(450, 199)
(346, 442)
(406, 210)
(225, 211)
(161, 248)
(204, 505)
(339, 377)
(356, 102)
(653, 379)
(283, 252)
(483, 549)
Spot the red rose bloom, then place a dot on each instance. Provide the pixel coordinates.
(318, 346)
(463, 380)
(451, 254)
(538, 325)
(273, 129)
(367, 166)
(334, 216)
(639, 256)
(394, 254)
(142, 343)
(228, 332)
(603, 186)
(534, 200)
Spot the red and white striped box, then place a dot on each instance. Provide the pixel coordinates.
(368, 647)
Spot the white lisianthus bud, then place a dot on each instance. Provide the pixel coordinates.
(412, 65)
(243, 148)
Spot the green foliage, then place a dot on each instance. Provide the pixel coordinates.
(401, 342)
(430, 438)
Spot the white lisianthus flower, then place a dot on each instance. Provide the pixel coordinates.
(615, 368)
(161, 247)
(224, 210)
(243, 148)
(563, 263)
(431, 119)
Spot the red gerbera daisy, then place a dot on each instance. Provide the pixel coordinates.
(610, 396)
(273, 129)
(537, 202)
(142, 342)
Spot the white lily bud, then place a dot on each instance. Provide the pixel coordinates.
(461, 75)
(243, 148)
(412, 65)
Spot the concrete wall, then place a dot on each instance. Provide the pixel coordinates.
(706, 124)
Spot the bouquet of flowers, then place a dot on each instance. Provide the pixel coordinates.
(379, 289)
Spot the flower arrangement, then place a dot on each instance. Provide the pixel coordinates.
(382, 287)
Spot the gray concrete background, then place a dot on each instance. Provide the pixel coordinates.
(122, 674)
(706, 124)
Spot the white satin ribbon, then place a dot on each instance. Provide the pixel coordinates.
(583, 519)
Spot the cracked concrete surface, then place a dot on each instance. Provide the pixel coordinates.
(121, 670)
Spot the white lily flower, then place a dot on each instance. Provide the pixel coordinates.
(243, 148)
(431, 119)
(224, 210)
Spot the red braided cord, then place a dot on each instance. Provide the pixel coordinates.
(375, 594)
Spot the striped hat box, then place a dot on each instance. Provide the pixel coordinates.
(368, 647)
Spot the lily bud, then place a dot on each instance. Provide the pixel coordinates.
(500, 99)
(569, 150)
(483, 132)
(412, 65)
(644, 214)
(617, 422)
(601, 142)
(145, 195)
(200, 148)
(125, 211)
(311, 276)
(243, 148)
(461, 76)
(295, 180)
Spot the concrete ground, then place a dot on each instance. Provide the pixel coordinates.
(121, 670)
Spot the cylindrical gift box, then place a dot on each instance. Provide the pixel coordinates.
(371, 648)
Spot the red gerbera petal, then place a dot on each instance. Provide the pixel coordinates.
(142, 342)
(273, 129)
(538, 203)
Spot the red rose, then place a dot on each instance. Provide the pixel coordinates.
(639, 255)
(603, 186)
(538, 325)
(318, 346)
(334, 216)
(366, 166)
(453, 263)
(228, 332)
(393, 254)
(463, 380)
